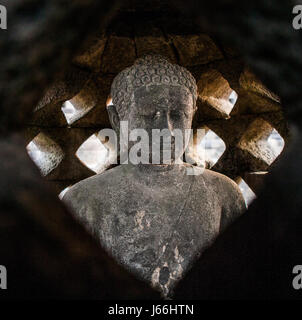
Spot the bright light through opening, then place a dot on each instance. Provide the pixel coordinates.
(276, 142)
(233, 98)
(210, 149)
(109, 101)
(248, 194)
(75, 108)
(215, 90)
(69, 111)
(45, 153)
(93, 154)
(63, 192)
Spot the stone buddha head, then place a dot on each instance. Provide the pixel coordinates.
(154, 94)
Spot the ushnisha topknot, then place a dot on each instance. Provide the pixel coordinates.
(150, 69)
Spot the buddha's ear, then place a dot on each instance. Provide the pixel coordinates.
(113, 117)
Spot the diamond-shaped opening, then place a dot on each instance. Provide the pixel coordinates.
(73, 110)
(248, 194)
(262, 141)
(95, 154)
(63, 192)
(215, 90)
(81, 104)
(45, 153)
(210, 148)
(69, 111)
(276, 142)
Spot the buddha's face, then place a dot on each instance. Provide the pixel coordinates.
(162, 107)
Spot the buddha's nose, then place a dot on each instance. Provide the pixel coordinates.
(164, 120)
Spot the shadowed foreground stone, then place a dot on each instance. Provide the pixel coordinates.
(47, 254)
(263, 269)
(254, 258)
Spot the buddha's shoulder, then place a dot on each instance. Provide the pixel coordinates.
(217, 181)
(103, 183)
(228, 190)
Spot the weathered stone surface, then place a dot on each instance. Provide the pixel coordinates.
(196, 49)
(255, 141)
(250, 82)
(156, 45)
(260, 248)
(65, 87)
(45, 153)
(132, 209)
(83, 102)
(252, 103)
(234, 162)
(98, 116)
(153, 41)
(69, 140)
(149, 28)
(119, 53)
(46, 252)
(71, 167)
(50, 115)
(206, 112)
(90, 55)
(265, 239)
(264, 33)
(133, 213)
(90, 102)
(214, 90)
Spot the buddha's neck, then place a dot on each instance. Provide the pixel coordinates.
(149, 168)
(155, 167)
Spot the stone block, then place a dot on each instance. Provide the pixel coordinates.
(45, 153)
(69, 140)
(90, 56)
(196, 49)
(64, 87)
(250, 82)
(119, 54)
(154, 45)
(214, 90)
(256, 141)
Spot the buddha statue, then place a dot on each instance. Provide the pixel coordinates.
(155, 219)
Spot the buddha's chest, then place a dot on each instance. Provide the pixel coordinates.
(157, 236)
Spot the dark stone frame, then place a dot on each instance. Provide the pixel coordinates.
(252, 259)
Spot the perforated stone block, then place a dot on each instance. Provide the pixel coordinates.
(119, 54)
(196, 49)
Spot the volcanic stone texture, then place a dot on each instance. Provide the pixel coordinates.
(46, 253)
(128, 36)
(253, 259)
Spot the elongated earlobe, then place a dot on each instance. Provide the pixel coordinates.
(113, 118)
